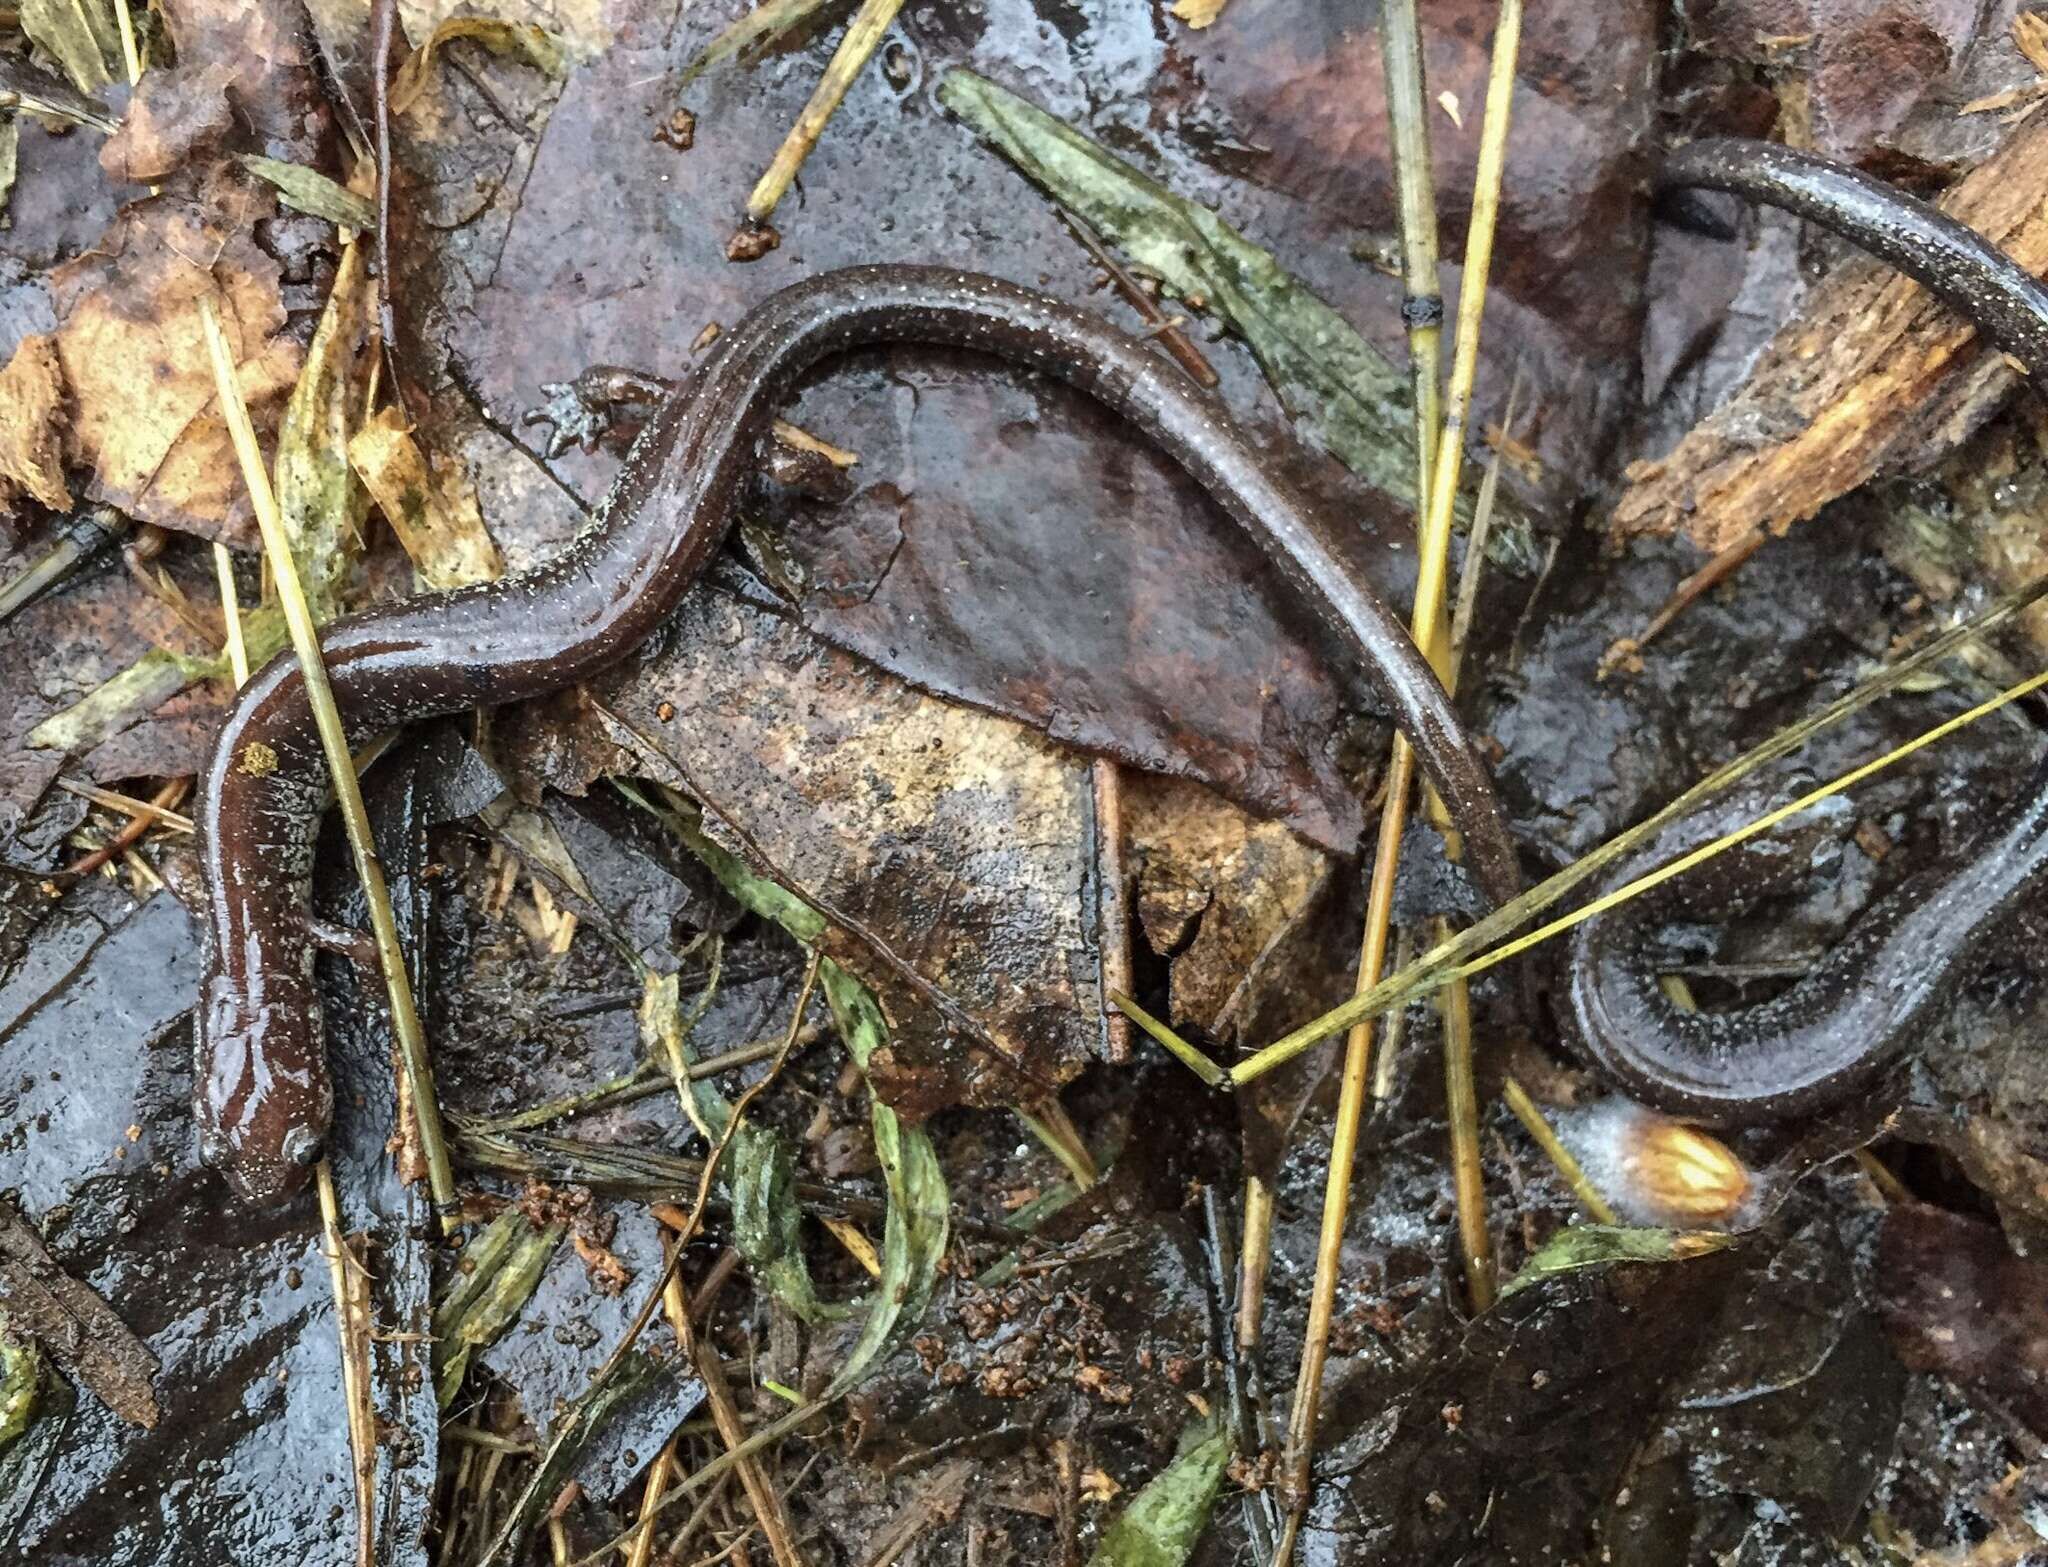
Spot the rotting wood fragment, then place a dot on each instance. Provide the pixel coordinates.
(1875, 374)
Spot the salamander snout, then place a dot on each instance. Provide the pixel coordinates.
(260, 1089)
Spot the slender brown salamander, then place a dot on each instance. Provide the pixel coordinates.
(1890, 977)
(261, 1087)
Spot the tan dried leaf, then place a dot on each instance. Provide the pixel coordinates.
(2030, 33)
(33, 426)
(129, 339)
(434, 514)
(1236, 882)
(173, 114)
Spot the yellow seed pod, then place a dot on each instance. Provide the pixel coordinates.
(1685, 1174)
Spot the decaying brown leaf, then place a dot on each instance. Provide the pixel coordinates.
(33, 427)
(1956, 1300)
(280, 102)
(949, 849)
(130, 346)
(173, 114)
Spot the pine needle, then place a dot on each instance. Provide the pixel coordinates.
(1452, 959)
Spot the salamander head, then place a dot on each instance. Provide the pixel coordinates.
(259, 1086)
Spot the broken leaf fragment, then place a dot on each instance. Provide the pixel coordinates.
(308, 190)
(1332, 380)
(317, 498)
(522, 40)
(174, 118)
(80, 35)
(759, 1169)
(33, 426)
(504, 1266)
(918, 1218)
(433, 512)
(21, 1376)
(1599, 1245)
(759, 25)
(1167, 1517)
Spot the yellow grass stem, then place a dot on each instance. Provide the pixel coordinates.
(348, 791)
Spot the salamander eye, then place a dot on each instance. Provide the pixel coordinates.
(301, 1148)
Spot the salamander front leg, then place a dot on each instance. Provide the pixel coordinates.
(344, 941)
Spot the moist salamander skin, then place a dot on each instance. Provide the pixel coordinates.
(1889, 979)
(1881, 987)
(1951, 260)
(261, 1087)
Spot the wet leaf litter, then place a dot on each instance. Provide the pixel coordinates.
(835, 835)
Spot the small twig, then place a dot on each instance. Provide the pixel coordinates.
(732, 1429)
(855, 1243)
(345, 1274)
(1461, 1110)
(641, 1551)
(1112, 901)
(1158, 323)
(159, 586)
(1889, 1186)
(1422, 304)
(131, 56)
(699, 1515)
(1188, 1056)
(1255, 1261)
(675, 1038)
(138, 826)
(1461, 1095)
(1701, 582)
(79, 540)
(352, 1321)
(644, 1081)
(863, 34)
(1386, 1063)
(1052, 1126)
(148, 812)
(142, 873)
(1475, 542)
(231, 614)
(1261, 1514)
(692, 1222)
(1436, 500)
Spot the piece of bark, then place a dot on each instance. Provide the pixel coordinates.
(1875, 374)
(74, 1326)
